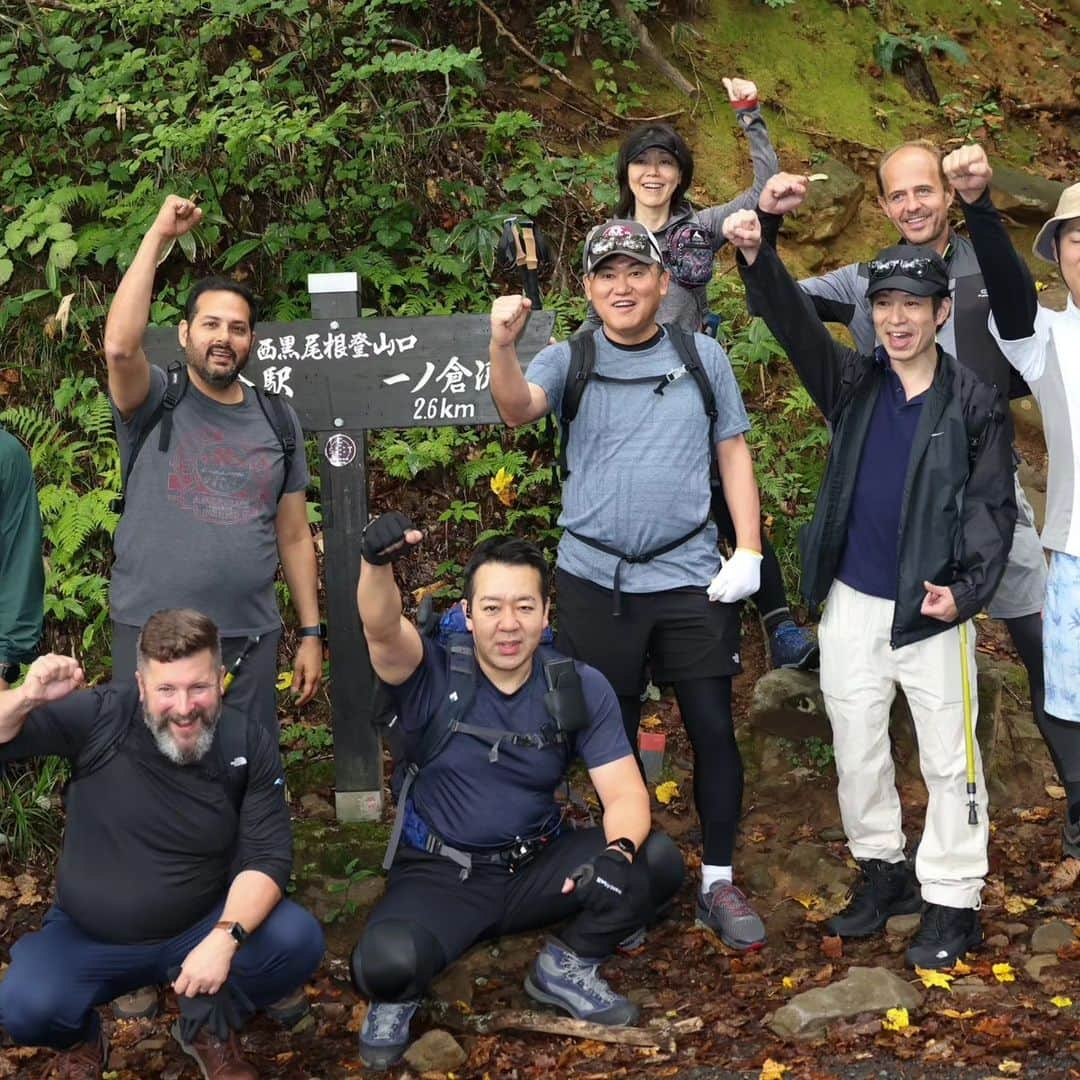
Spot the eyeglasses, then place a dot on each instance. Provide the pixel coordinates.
(919, 267)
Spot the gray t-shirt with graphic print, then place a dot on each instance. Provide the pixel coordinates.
(198, 525)
(639, 462)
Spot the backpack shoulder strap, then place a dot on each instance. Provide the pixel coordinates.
(176, 384)
(277, 416)
(686, 347)
(580, 370)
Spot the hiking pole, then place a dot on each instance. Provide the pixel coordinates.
(969, 726)
(234, 667)
(521, 246)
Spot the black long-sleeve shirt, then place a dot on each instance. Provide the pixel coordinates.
(150, 846)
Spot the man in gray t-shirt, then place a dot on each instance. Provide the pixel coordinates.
(639, 576)
(208, 517)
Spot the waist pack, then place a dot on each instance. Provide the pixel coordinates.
(691, 254)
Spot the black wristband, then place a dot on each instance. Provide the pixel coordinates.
(624, 844)
(318, 631)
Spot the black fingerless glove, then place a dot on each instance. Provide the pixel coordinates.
(602, 883)
(383, 540)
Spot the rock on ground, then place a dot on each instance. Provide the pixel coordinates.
(436, 1051)
(1051, 936)
(863, 990)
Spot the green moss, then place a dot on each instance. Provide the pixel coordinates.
(305, 776)
(327, 847)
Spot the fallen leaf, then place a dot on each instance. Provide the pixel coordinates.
(502, 484)
(1004, 973)
(772, 1070)
(1010, 1068)
(1017, 905)
(666, 792)
(1064, 876)
(896, 1020)
(1055, 791)
(833, 947)
(789, 983)
(1036, 813)
(284, 680)
(955, 1014)
(960, 968)
(1061, 1001)
(808, 900)
(931, 977)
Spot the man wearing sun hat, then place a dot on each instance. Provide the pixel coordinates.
(908, 541)
(639, 576)
(1044, 347)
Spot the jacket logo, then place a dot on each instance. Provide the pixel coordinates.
(237, 762)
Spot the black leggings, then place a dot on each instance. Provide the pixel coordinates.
(1026, 634)
(1063, 740)
(770, 599)
(705, 705)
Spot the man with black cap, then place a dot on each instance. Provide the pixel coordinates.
(908, 541)
(639, 575)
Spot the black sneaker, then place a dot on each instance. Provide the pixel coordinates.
(945, 935)
(1070, 840)
(884, 890)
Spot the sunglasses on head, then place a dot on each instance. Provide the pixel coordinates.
(635, 243)
(916, 267)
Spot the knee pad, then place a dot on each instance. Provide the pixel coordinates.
(665, 866)
(395, 960)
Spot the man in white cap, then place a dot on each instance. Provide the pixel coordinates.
(1044, 347)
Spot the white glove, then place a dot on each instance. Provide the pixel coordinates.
(739, 577)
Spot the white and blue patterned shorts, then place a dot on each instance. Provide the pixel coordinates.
(1061, 637)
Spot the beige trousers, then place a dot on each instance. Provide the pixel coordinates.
(859, 676)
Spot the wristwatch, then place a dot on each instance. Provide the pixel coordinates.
(235, 930)
(625, 845)
(9, 672)
(318, 631)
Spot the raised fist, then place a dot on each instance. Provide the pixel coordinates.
(509, 314)
(782, 193)
(743, 230)
(388, 537)
(740, 91)
(968, 171)
(176, 217)
(52, 677)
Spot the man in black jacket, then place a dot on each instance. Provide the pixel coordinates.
(176, 854)
(909, 538)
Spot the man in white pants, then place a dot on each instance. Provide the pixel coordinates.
(909, 538)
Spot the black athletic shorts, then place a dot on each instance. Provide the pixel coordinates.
(680, 633)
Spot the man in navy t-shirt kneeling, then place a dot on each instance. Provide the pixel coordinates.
(491, 724)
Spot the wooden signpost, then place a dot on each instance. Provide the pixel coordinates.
(345, 376)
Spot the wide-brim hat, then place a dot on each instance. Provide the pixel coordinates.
(1068, 207)
(911, 268)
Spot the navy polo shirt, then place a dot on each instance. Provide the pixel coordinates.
(871, 554)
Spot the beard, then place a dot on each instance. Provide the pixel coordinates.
(220, 380)
(177, 754)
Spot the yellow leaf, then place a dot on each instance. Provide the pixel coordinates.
(960, 968)
(808, 900)
(1010, 1068)
(790, 983)
(1061, 1001)
(955, 1014)
(895, 1020)
(667, 791)
(1055, 791)
(284, 680)
(1004, 973)
(772, 1070)
(502, 484)
(1017, 905)
(935, 978)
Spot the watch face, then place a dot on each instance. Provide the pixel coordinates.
(10, 672)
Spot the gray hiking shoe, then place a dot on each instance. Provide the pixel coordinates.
(1070, 839)
(724, 909)
(385, 1034)
(572, 983)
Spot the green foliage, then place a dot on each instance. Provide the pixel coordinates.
(30, 817)
(306, 743)
(892, 51)
(77, 469)
(354, 873)
(561, 21)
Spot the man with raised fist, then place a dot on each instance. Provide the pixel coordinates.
(909, 539)
(491, 724)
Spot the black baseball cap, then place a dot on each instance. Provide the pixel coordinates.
(621, 238)
(911, 268)
(660, 138)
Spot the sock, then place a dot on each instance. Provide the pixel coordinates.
(710, 875)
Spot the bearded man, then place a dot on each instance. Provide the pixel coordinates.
(176, 854)
(214, 478)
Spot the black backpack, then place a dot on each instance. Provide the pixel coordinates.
(564, 701)
(177, 381)
(578, 376)
(232, 748)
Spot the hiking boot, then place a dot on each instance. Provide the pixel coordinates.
(724, 909)
(385, 1034)
(218, 1060)
(289, 1011)
(83, 1062)
(945, 935)
(141, 1004)
(885, 889)
(572, 983)
(1070, 840)
(792, 646)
